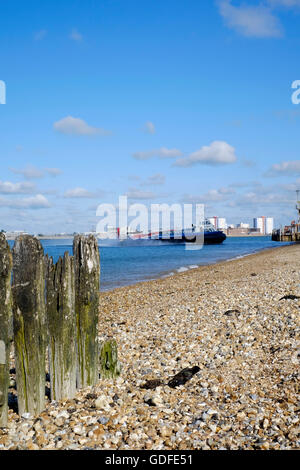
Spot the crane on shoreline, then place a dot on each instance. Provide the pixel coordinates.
(298, 204)
(290, 233)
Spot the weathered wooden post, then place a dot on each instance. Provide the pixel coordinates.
(109, 364)
(5, 325)
(61, 320)
(87, 286)
(28, 289)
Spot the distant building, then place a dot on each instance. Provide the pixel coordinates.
(13, 235)
(111, 233)
(258, 224)
(242, 225)
(269, 225)
(264, 224)
(239, 232)
(222, 223)
(219, 223)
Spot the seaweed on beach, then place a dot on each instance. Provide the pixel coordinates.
(290, 297)
(152, 384)
(183, 376)
(231, 312)
(179, 379)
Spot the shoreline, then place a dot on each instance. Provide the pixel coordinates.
(166, 271)
(70, 237)
(232, 321)
(170, 274)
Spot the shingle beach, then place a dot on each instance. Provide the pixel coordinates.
(236, 323)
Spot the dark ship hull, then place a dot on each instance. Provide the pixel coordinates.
(210, 238)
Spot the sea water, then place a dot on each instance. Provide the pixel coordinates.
(121, 266)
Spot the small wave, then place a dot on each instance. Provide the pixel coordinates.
(193, 266)
(182, 269)
(168, 275)
(240, 256)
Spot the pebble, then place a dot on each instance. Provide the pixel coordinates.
(221, 319)
(103, 420)
(102, 403)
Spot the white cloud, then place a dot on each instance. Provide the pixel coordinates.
(134, 178)
(35, 202)
(287, 168)
(217, 153)
(156, 179)
(169, 153)
(276, 201)
(267, 199)
(250, 20)
(162, 152)
(78, 193)
(30, 172)
(226, 190)
(53, 171)
(134, 193)
(138, 194)
(213, 195)
(75, 35)
(75, 126)
(149, 127)
(7, 187)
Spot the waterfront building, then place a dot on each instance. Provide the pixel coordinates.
(264, 224)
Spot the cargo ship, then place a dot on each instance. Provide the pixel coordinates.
(207, 235)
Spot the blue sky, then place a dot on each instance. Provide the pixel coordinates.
(173, 101)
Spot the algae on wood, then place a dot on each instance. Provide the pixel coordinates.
(61, 320)
(28, 289)
(109, 364)
(87, 286)
(5, 325)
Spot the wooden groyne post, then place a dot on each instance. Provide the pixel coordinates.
(56, 306)
(87, 286)
(61, 321)
(28, 288)
(5, 325)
